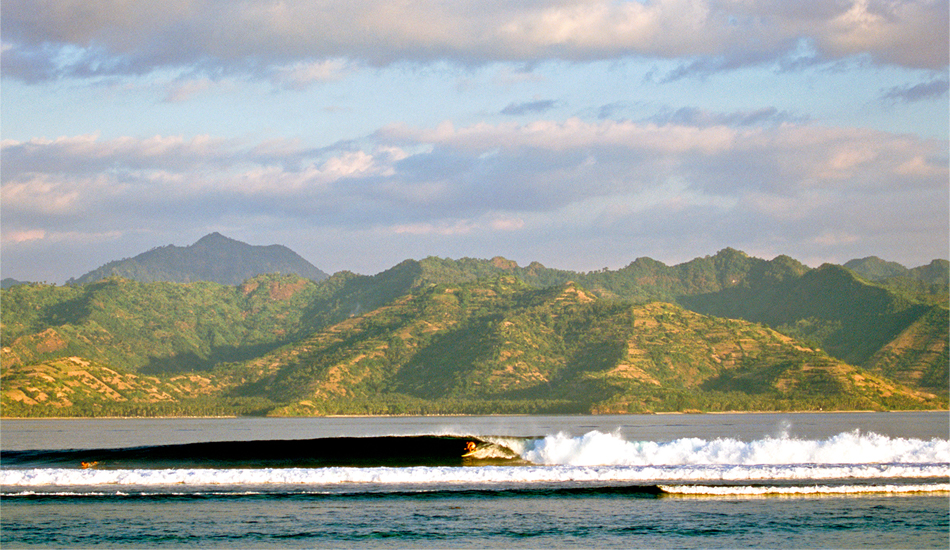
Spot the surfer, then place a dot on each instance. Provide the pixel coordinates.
(89, 465)
(469, 447)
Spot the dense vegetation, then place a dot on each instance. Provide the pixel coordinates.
(437, 336)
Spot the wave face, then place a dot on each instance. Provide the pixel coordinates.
(429, 450)
(848, 463)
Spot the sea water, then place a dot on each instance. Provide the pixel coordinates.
(660, 481)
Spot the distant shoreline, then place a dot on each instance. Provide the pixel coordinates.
(15, 418)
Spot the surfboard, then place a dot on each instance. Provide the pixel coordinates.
(485, 450)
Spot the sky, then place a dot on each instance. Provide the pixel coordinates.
(581, 134)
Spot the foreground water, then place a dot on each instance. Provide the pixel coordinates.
(763, 480)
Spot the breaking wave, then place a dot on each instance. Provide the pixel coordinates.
(848, 463)
(428, 476)
(598, 448)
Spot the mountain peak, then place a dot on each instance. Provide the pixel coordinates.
(213, 237)
(875, 269)
(214, 258)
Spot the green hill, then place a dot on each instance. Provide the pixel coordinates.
(830, 307)
(286, 345)
(873, 268)
(502, 346)
(213, 258)
(849, 318)
(930, 283)
(722, 332)
(155, 328)
(9, 282)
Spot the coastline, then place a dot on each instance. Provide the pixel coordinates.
(462, 415)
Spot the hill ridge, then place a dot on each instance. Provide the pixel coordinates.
(721, 332)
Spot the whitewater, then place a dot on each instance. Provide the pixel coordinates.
(594, 457)
(857, 480)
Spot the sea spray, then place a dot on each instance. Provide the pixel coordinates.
(18, 482)
(854, 447)
(596, 456)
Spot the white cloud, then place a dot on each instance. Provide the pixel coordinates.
(19, 236)
(184, 90)
(459, 227)
(536, 183)
(894, 32)
(446, 172)
(455, 227)
(44, 194)
(305, 41)
(302, 74)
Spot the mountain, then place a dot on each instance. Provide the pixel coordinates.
(845, 315)
(830, 307)
(873, 268)
(928, 282)
(154, 328)
(643, 280)
(214, 258)
(8, 282)
(400, 342)
(936, 272)
(500, 345)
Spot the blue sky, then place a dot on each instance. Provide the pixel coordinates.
(579, 133)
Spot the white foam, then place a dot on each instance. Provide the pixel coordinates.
(61, 477)
(593, 457)
(598, 448)
(725, 490)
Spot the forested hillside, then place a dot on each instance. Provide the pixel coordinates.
(725, 332)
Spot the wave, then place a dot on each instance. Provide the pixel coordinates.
(424, 450)
(850, 463)
(593, 490)
(594, 448)
(820, 490)
(447, 476)
(846, 448)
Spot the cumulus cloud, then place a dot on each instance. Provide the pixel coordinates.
(536, 183)
(51, 38)
(303, 74)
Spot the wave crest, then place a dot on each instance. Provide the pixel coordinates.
(599, 448)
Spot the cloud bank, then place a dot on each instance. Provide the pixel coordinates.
(49, 39)
(797, 186)
(777, 127)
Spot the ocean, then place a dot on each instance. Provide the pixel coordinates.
(827, 480)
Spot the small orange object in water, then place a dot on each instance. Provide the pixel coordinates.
(469, 446)
(88, 465)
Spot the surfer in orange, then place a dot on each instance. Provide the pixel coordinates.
(469, 447)
(88, 465)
